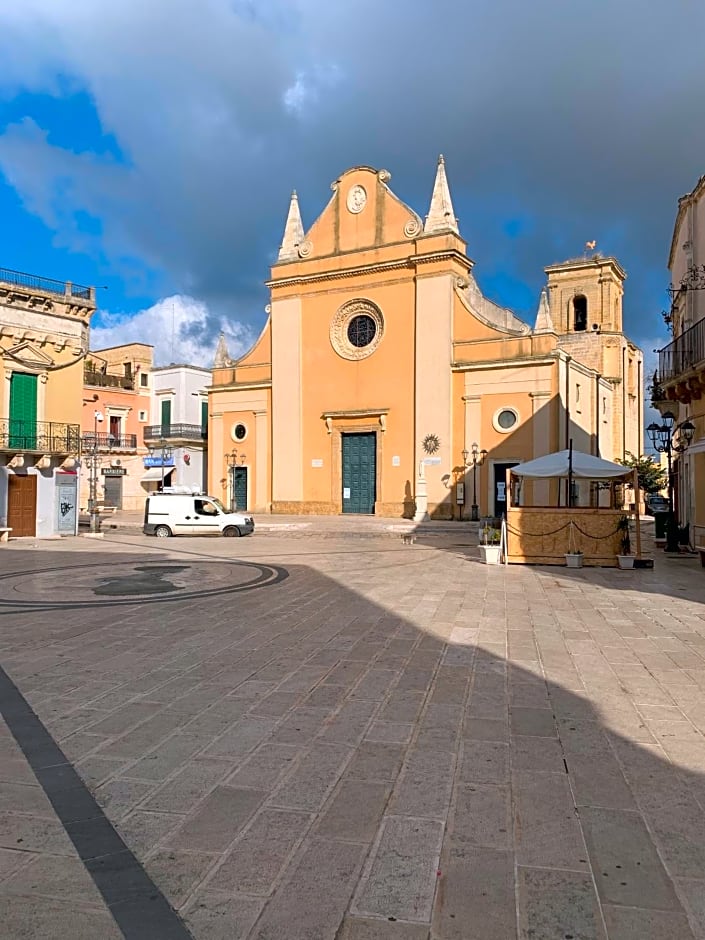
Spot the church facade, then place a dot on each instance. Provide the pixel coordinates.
(382, 369)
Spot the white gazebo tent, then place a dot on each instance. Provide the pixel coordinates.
(568, 465)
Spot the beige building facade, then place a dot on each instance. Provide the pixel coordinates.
(679, 385)
(44, 328)
(381, 364)
(117, 390)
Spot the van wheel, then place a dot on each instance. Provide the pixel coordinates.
(162, 532)
(232, 532)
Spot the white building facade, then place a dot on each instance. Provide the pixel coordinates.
(177, 436)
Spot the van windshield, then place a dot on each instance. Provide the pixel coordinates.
(218, 504)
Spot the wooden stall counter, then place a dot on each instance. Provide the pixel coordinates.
(539, 535)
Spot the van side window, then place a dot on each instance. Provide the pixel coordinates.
(205, 508)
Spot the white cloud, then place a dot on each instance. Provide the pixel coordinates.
(222, 107)
(180, 328)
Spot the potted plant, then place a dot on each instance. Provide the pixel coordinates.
(625, 559)
(573, 557)
(489, 546)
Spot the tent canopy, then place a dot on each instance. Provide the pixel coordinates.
(585, 467)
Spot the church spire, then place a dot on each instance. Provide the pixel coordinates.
(293, 231)
(544, 320)
(441, 217)
(221, 359)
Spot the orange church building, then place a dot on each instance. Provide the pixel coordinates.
(382, 368)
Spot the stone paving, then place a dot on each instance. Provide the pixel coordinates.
(329, 738)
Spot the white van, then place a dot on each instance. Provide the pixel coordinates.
(167, 514)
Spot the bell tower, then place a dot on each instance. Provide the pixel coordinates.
(585, 295)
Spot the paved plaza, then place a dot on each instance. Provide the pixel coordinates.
(305, 735)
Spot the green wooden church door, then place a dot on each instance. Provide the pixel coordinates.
(359, 473)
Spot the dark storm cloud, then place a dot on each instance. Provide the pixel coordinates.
(575, 121)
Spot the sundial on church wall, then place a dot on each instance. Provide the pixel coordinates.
(431, 444)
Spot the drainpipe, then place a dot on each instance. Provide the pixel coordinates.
(597, 414)
(640, 408)
(567, 400)
(624, 404)
(567, 416)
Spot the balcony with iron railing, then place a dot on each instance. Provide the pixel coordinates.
(684, 354)
(46, 285)
(175, 432)
(42, 437)
(104, 441)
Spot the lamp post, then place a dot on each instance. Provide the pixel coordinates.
(477, 458)
(663, 439)
(93, 483)
(165, 451)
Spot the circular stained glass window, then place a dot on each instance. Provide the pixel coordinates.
(357, 329)
(506, 419)
(362, 329)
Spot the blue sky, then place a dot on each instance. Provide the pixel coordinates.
(150, 149)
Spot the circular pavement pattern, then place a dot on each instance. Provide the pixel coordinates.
(125, 583)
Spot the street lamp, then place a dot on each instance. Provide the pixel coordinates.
(663, 439)
(477, 458)
(93, 484)
(165, 451)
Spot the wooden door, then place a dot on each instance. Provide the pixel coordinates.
(22, 504)
(359, 473)
(240, 489)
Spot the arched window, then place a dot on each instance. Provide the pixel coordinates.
(580, 313)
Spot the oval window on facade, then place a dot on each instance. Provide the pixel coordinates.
(239, 432)
(506, 419)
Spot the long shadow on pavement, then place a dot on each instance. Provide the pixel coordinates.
(360, 756)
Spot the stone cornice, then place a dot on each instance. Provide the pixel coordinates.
(356, 413)
(523, 362)
(575, 264)
(239, 386)
(376, 267)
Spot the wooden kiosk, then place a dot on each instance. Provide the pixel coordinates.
(545, 534)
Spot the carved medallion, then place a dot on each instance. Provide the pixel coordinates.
(356, 329)
(357, 199)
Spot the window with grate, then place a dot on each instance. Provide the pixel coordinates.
(362, 329)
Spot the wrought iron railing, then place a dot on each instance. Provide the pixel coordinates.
(106, 441)
(104, 380)
(46, 284)
(685, 352)
(46, 437)
(183, 432)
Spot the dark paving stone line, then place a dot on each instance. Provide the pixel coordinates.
(265, 576)
(138, 906)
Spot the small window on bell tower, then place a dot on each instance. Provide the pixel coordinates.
(580, 313)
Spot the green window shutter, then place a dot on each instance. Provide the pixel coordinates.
(23, 410)
(204, 415)
(166, 413)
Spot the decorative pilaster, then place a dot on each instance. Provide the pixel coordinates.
(541, 428)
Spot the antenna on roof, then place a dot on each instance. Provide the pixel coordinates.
(172, 332)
